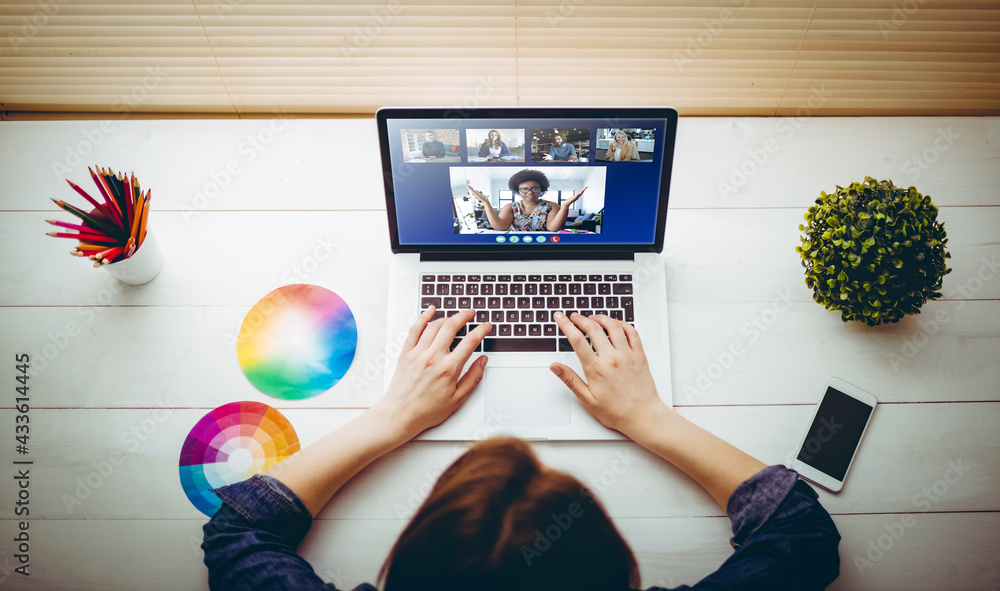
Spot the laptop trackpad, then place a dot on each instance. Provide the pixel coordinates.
(526, 397)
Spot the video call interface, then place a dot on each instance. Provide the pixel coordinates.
(531, 181)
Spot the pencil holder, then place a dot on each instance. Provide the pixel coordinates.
(140, 268)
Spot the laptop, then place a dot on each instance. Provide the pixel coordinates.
(482, 215)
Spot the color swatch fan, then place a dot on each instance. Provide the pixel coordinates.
(297, 342)
(231, 444)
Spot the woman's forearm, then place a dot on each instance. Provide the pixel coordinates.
(494, 218)
(558, 219)
(318, 471)
(713, 463)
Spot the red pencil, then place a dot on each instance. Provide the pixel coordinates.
(100, 207)
(110, 253)
(112, 205)
(79, 227)
(84, 237)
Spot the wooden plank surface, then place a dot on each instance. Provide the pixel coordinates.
(733, 279)
(954, 551)
(908, 448)
(778, 358)
(254, 164)
(219, 258)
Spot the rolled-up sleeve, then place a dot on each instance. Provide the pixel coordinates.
(250, 541)
(784, 538)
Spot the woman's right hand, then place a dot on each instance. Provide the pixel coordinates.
(619, 390)
(478, 195)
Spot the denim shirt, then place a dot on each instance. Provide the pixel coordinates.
(783, 538)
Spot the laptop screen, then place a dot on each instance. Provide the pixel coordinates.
(527, 178)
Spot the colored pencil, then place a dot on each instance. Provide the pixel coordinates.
(125, 185)
(82, 236)
(145, 216)
(112, 205)
(116, 190)
(116, 228)
(110, 253)
(91, 248)
(99, 206)
(88, 218)
(78, 227)
(116, 198)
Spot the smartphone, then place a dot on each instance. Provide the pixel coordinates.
(829, 445)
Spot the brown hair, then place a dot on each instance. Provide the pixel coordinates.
(499, 519)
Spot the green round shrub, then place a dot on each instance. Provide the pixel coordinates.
(874, 251)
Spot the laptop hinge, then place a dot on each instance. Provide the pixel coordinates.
(513, 255)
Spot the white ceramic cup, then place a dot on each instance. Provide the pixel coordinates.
(142, 267)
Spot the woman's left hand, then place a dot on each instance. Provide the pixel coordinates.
(574, 197)
(427, 386)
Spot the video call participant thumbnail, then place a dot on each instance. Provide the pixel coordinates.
(531, 213)
(432, 148)
(495, 145)
(430, 145)
(561, 150)
(621, 149)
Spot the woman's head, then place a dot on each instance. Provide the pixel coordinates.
(429, 135)
(621, 136)
(499, 519)
(529, 184)
(494, 136)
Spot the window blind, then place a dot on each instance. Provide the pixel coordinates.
(722, 57)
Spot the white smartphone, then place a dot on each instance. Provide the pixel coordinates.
(830, 444)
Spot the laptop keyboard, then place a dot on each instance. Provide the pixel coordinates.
(520, 307)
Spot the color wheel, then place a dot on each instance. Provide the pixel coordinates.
(231, 444)
(297, 342)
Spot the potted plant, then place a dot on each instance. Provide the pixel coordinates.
(873, 251)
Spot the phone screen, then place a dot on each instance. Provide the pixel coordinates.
(835, 433)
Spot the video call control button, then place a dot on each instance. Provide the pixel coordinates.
(501, 239)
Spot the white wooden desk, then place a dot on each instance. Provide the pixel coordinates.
(243, 207)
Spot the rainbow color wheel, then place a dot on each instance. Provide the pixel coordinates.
(231, 444)
(297, 342)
